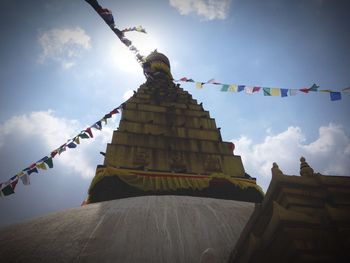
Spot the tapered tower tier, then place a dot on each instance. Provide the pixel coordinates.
(166, 143)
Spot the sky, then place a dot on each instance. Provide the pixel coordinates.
(62, 69)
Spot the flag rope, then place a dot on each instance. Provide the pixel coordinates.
(107, 16)
(8, 187)
(267, 91)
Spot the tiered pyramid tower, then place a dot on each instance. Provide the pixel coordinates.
(167, 143)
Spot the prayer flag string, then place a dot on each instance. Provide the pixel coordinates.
(107, 16)
(8, 187)
(266, 91)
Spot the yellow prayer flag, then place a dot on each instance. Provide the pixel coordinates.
(76, 140)
(275, 92)
(41, 166)
(199, 85)
(21, 173)
(232, 88)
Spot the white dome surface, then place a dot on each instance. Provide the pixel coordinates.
(137, 229)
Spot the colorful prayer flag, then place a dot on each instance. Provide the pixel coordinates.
(256, 89)
(267, 91)
(104, 120)
(293, 92)
(62, 149)
(25, 179)
(88, 130)
(34, 170)
(83, 135)
(314, 87)
(41, 166)
(14, 181)
(107, 16)
(305, 90)
(49, 162)
(71, 145)
(53, 153)
(21, 173)
(43, 159)
(199, 85)
(275, 92)
(183, 79)
(97, 126)
(335, 96)
(140, 29)
(224, 87)
(115, 111)
(284, 93)
(77, 140)
(7, 190)
(232, 88)
(248, 90)
(240, 88)
(107, 116)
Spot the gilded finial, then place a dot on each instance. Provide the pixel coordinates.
(275, 170)
(305, 169)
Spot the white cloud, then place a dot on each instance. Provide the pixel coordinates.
(43, 130)
(210, 9)
(329, 154)
(63, 45)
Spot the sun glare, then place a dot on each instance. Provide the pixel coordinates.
(123, 59)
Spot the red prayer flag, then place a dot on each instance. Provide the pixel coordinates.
(14, 183)
(256, 89)
(88, 130)
(53, 153)
(114, 111)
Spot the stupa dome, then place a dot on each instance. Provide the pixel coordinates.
(137, 229)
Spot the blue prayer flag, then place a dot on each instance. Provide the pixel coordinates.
(34, 170)
(240, 88)
(284, 92)
(43, 159)
(335, 96)
(71, 145)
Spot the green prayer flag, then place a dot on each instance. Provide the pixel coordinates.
(267, 91)
(225, 87)
(83, 135)
(7, 190)
(49, 162)
(314, 87)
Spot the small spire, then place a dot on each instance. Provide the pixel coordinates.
(275, 170)
(305, 169)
